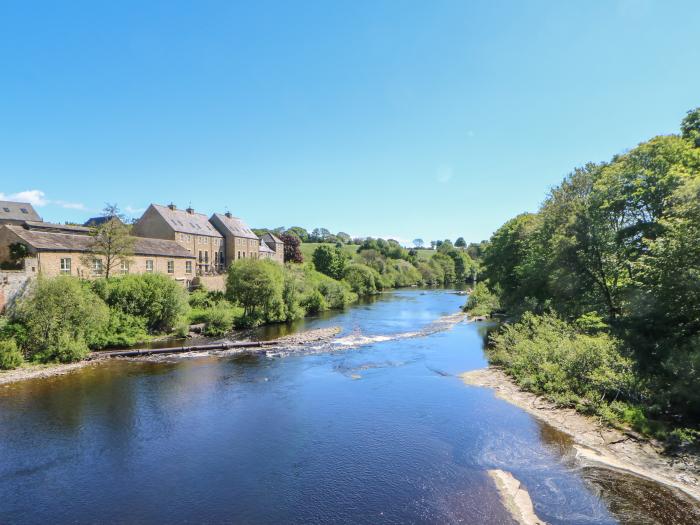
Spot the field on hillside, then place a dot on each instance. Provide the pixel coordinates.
(425, 255)
(307, 249)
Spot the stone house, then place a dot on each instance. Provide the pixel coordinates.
(52, 253)
(275, 244)
(17, 212)
(190, 230)
(265, 251)
(241, 241)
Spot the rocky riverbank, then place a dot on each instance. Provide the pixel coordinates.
(36, 371)
(596, 443)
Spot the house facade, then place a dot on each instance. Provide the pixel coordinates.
(240, 241)
(51, 253)
(275, 245)
(189, 229)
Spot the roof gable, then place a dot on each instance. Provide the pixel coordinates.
(233, 226)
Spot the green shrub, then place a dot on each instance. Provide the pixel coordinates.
(60, 312)
(122, 330)
(481, 301)
(219, 320)
(314, 303)
(155, 297)
(65, 349)
(10, 356)
(362, 279)
(547, 356)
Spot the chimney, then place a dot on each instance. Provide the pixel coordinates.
(190, 210)
(171, 206)
(228, 214)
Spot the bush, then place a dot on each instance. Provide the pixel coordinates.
(155, 297)
(547, 356)
(122, 330)
(219, 320)
(362, 279)
(10, 356)
(57, 313)
(481, 301)
(65, 349)
(257, 285)
(314, 303)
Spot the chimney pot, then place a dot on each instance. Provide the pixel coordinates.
(190, 210)
(228, 214)
(171, 206)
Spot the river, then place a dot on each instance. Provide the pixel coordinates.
(382, 432)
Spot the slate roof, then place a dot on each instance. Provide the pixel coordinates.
(272, 237)
(70, 228)
(99, 221)
(67, 242)
(10, 210)
(264, 248)
(184, 222)
(234, 226)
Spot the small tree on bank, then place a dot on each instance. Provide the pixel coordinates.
(112, 244)
(292, 252)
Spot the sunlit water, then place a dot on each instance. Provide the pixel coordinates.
(381, 433)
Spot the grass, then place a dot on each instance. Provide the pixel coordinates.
(307, 249)
(425, 255)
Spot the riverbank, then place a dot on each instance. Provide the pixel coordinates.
(596, 443)
(42, 371)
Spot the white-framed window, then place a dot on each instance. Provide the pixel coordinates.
(188, 266)
(124, 267)
(149, 265)
(97, 267)
(171, 266)
(65, 265)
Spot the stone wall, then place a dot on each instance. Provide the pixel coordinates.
(14, 282)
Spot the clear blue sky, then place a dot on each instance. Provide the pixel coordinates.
(407, 119)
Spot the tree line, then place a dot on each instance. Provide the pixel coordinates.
(610, 264)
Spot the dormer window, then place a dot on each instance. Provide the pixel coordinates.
(24, 210)
(6, 210)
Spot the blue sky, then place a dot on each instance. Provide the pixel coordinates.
(403, 119)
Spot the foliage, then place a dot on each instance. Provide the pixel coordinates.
(362, 279)
(160, 300)
(60, 317)
(292, 250)
(257, 286)
(112, 244)
(481, 301)
(615, 248)
(10, 356)
(547, 356)
(330, 261)
(219, 319)
(300, 232)
(460, 243)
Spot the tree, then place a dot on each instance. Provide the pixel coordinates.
(292, 252)
(257, 285)
(330, 260)
(61, 317)
(299, 232)
(362, 279)
(460, 242)
(343, 237)
(112, 244)
(418, 243)
(319, 235)
(690, 127)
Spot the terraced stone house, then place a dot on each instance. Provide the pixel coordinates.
(189, 229)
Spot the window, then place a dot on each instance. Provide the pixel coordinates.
(244, 255)
(201, 259)
(24, 210)
(188, 266)
(221, 258)
(97, 266)
(206, 257)
(171, 266)
(65, 266)
(7, 210)
(124, 267)
(149, 265)
(239, 254)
